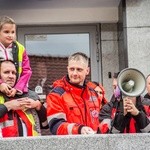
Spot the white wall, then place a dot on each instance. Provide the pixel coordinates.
(63, 15)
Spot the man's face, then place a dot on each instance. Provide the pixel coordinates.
(148, 85)
(77, 71)
(8, 73)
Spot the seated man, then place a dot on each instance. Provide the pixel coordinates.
(18, 115)
(72, 106)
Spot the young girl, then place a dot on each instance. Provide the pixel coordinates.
(10, 49)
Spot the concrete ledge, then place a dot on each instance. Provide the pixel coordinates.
(79, 142)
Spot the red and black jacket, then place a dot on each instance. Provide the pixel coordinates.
(70, 107)
(112, 119)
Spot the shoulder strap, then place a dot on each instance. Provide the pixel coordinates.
(58, 90)
(15, 50)
(6, 98)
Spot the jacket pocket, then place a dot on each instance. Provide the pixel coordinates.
(75, 115)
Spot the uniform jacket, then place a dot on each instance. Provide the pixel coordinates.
(71, 107)
(24, 65)
(112, 119)
(11, 121)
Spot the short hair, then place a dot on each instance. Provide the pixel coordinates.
(5, 20)
(79, 56)
(6, 61)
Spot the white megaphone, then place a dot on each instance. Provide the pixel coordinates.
(131, 82)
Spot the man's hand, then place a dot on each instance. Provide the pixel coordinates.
(87, 130)
(14, 105)
(23, 104)
(30, 103)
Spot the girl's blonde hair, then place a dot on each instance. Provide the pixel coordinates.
(5, 20)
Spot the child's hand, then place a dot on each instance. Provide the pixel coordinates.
(12, 93)
(5, 88)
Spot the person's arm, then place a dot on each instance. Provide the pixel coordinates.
(30, 100)
(142, 122)
(111, 120)
(40, 109)
(56, 116)
(10, 105)
(105, 118)
(139, 115)
(29, 103)
(119, 122)
(3, 110)
(22, 82)
(42, 117)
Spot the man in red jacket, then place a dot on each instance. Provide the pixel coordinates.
(72, 106)
(19, 115)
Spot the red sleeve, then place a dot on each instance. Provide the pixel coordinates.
(57, 117)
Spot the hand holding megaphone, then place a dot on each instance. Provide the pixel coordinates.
(129, 104)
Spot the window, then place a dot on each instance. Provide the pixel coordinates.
(49, 47)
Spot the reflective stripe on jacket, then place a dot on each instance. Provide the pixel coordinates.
(69, 108)
(20, 56)
(9, 123)
(24, 69)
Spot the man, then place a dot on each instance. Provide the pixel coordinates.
(17, 115)
(72, 106)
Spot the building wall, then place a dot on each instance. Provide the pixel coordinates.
(110, 60)
(44, 12)
(134, 35)
(138, 34)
